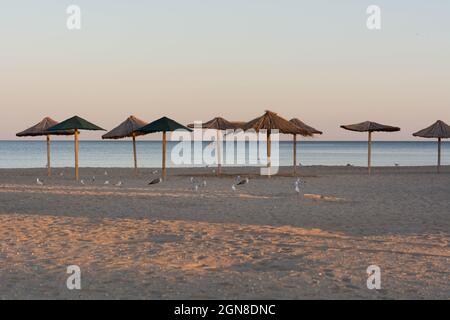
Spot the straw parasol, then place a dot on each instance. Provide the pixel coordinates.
(370, 127)
(75, 123)
(271, 121)
(439, 130)
(41, 129)
(163, 125)
(218, 124)
(303, 126)
(127, 129)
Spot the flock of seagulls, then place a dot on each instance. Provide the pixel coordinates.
(196, 185)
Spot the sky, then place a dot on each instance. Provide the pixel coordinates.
(194, 60)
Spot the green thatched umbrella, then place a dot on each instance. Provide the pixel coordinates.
(309, 132)
(128, 129)
(163, 125)
(41, 129)
(218, 124)
(75, 123)
(370, 127)
(439, 130)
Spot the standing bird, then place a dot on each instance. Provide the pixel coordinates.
(106, 183)
(155, 181)
(39, 182)
(233, 187)
(242, 182)
(118, 184)
(93, 179)
(106, 173)
(82, 181)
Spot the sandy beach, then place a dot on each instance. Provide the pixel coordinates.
(261, 241)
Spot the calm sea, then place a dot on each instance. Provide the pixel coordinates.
(32, 154)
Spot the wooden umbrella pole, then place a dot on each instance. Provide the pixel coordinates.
(134, 153)
(439, 154)
(268, 151)
(295, 154)
(49, 166)
(219, 155)
(164, 155)
(369, 163)
(76, 155)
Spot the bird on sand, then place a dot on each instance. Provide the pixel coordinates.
(118, 184)
(106, 183)
(39, 182)
(155, 181)
(242, 182)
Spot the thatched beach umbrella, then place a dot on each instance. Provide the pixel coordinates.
(305, 127)
(370, 127)
(127, 129)
(218, 124)
(75, 123)
(271, 121)
(163, 125)
(41, 129)
(439, 130)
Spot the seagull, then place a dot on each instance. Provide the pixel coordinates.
(192, 180)
(118, 184)
(39, 182)
(106, 173)
(233, 187)
(242, 182)
(204, 183)
(297, 189)
(82, 182)
(106, 182)
(93, 179)
(155, 181)
(155, 172)
(196, 188)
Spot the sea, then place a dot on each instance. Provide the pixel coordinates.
(109, 154)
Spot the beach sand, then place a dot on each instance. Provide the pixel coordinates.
(261, 242)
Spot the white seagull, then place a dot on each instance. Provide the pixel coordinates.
(118, 184)
(106, 183)
(39, 182)
(82, 182)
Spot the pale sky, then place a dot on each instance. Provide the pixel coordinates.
(193, 60)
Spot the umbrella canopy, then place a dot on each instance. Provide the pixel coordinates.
(75, 123)
(128, 129)
(439, 130)
(163, 125)
(218, 124)
(370, 127)
(303, 126)
(41, 129)
(271, 121)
